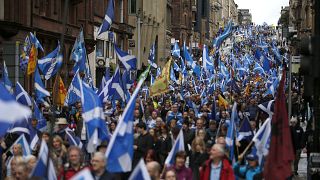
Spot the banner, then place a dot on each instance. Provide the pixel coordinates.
(161, 84)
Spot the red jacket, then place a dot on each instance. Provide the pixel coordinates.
(226, 172)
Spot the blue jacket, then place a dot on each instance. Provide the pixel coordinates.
(246, 171)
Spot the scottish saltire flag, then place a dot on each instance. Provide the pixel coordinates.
(176, 66)
(22, 96)
(105, 92)
(176, 50)
(140, 172)
(74, 93)
(40, 90)
(5, 78)
(178, 146)
(11, 111)
(33, 137)
(20, 127)
(78, 53)
(196, 69)
(257, 68)
(272, 88)
(24, 57)
(73, 139)
(151, 58)
(265, 63)
(44, 166)
(116, 90)
(93, 116)
(128, 61)
(245, 131)
(108, 18)
(35, 41)
(42, 122)
(262, 140)
(172, 75)
(231, 131)
(207, 63)
(24, 144)
(120, 149)
(267, 107)
(50, 64)
(84, 174)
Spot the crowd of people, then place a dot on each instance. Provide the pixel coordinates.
(202, 112)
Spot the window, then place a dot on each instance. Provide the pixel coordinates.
(132, 6)
(100, 48)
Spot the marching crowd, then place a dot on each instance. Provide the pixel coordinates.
(204, 117)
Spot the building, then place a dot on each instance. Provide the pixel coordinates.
(152, 20)
(215, 17)
(182, 20)
(244, 17)
(44, 18)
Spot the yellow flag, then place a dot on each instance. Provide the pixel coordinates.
(161, 84)
(59, 92)
(32, 60)
(222, 101)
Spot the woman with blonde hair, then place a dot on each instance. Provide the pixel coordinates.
(198, 156)
(59, 151)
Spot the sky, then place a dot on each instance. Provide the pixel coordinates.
(263, 10)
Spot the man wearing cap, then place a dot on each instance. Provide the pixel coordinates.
(249, 171)
(61, 125)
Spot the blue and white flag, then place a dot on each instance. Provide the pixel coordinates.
(5, 78)
(24, 144)
(267, 107)
(140, 172)
(176, 50)
(73, 139)
(33, 137)
(44, 166)
(108, 18)
(79, 54)
(35, 41)
(84, 174)
(231, 131)
(172, 75)
(116, 90)
(42, 122)
(93, 116)
(22, 96)
(262, 140)
(178, 146)
(245, 131)
(105, 92)
(258, 68)
(119, 152)
(50, 64)
(128, 61)
(207, 63)
(152, 55)
(196, 69)
(11, 111)
(40, 90)
(176, 66)
(74, 93)
(151, 79)
(20, 127)
(272, 88)
(126, 84)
